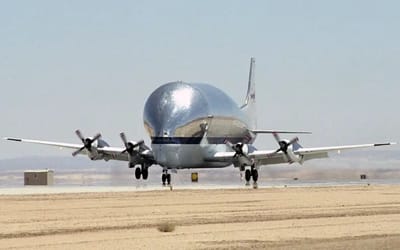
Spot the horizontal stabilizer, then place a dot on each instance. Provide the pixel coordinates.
(258, 131)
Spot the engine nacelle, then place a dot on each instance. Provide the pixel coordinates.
(242, 147)
(294, 157)
(99, 143)
(93, 154)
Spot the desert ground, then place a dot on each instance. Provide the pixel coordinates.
(349, 217)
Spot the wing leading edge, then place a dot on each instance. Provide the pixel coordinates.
(269, 157)
(103, 153)
(260, 157)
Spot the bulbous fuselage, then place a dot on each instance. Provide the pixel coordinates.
(187, 122)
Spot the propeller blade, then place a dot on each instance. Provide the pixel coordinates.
(138, 143)
(276, 136)
(79, 134)
(125, 141)
(78, 151)
(277, 151)
(96, 137)
(123, 138)
(230, 144)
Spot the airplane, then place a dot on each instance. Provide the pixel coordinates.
(196, 125)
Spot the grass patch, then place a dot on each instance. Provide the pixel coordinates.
(166, 227)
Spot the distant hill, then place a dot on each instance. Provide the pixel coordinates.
(56, 163)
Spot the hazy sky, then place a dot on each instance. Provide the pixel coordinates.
(329, 67)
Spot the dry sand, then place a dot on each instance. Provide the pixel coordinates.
(355, 217)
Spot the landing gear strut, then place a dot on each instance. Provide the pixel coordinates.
(166, 177)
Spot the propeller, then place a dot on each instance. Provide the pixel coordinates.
(238, 148)
(284, 145)
(142, 155)
(129, 146)
(87, 142)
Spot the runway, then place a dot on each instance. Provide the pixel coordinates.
(356, 217)
(144, 186)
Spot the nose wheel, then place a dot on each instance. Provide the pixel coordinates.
(166, 178)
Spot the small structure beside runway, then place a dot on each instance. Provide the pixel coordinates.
(39, 177)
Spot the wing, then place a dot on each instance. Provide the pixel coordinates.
(269, 131)
(106, 153)
(260, 157)
(269, 157)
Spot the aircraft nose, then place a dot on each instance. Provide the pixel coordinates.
(172, 106)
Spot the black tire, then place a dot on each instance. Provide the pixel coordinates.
(254, 174)
(247, 175)
(145, 173)
(169, 179)
(138, 173)
(163, 178)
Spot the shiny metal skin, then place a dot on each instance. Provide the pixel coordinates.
(188, 121)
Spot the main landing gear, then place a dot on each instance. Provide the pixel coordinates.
(251, 173)
(142, 172)
(166, 177)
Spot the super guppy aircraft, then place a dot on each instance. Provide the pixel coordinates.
(193, 125)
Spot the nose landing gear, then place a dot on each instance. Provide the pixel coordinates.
(166, 177)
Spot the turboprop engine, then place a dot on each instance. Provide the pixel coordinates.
(287, 147)
(91, 144)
